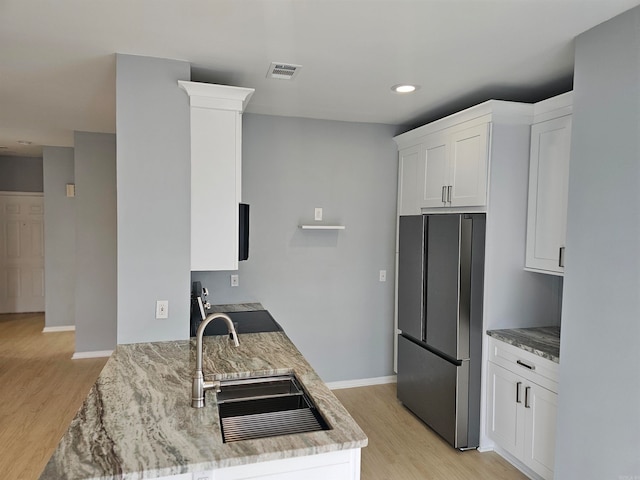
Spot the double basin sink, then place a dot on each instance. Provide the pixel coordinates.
(269, 406)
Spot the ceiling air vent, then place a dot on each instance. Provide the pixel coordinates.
(283, 71)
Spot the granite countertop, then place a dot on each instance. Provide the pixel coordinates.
(541, 341)
(137, 420)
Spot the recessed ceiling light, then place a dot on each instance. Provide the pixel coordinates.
(24, 142)
(404, 88)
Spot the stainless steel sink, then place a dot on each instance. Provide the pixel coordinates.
(262, 407)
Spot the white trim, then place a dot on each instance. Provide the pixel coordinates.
(96, 354)
(497, 111)
(22, 194)
(62, 328)
(517, 463)
(363, 382)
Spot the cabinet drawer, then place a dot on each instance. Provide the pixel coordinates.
(537, 369)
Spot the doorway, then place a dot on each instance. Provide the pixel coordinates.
(21, 252)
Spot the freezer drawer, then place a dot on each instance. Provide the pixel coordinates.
(437, 391)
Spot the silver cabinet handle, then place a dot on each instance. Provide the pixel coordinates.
(530, 367)
(526, 397)
(518, 385)
(444, 194)
(449, 193)
(561, 257)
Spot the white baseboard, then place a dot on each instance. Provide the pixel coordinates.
(62, 328)
(517, 463)
(96, 354)
(363, 382)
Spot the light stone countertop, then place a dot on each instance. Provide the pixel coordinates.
(541, 341)
(137, 421)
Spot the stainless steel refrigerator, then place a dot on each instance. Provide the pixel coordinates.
(440, 294)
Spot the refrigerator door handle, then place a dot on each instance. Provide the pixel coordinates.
(518, 385)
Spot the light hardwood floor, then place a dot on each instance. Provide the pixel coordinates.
(402, 447)
(41, 389)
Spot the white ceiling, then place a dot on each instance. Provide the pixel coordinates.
(57, 62)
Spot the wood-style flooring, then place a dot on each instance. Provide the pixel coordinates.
(401, 447)
(41, 388)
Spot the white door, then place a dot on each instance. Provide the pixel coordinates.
(548, 193)
(505, 394)
(434, 173)
(468, 167)
(541, 408)
(408, 174)
(21, 253)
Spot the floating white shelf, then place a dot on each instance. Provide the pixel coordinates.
(322, 227)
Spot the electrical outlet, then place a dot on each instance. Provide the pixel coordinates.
(235, 281)
(318, 214)
(383, 275)
(162, 309)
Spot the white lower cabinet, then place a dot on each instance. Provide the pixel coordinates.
(521, 414)
(338, 465)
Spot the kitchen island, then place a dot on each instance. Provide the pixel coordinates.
(137, 421)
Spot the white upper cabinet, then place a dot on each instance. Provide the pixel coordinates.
(468, 167)
(216, 168)
(450, 158)
(548, 189)
(408, 189)
(434, 171)
(451, 169)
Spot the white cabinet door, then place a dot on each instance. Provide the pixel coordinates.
(215, 189)
(216, 160)
(548, 190)
(468, 167)
(541, 407)
(408, 181)
(434, 171)
(521, 418)
(504, 424)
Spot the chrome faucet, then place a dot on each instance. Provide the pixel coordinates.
(199, 385)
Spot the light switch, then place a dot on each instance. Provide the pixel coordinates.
(162, 309)
(318, 214)
(383, 275)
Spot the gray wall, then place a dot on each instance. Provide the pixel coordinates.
(96, 252)
(59, 237)
(20, 174)
(152, 121)
(599, 403)
(322, 286)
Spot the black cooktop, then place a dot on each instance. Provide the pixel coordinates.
(253, 321)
